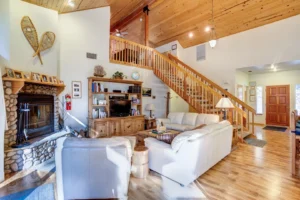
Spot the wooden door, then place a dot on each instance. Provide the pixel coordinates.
(278, 105)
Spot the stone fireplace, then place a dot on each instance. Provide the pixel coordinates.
(42, 125)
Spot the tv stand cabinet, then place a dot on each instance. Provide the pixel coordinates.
(113, 126)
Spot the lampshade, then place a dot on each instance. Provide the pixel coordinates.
(224, 103)
(150, 106)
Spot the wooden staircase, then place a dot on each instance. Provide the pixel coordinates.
(197, 90)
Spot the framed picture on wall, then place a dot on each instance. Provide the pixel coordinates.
(146, 92)
(252, 91)
(252, 98)
(26, 75)
(10, 73)
(76, 90)
(18, 74)
(35, 76)
(45, 78)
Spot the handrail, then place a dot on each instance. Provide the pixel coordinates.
(225, 92)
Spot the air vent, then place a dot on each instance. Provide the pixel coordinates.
(91, 55)
(201, 54)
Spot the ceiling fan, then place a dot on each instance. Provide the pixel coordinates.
(121, 34)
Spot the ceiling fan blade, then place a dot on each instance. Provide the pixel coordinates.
(124, 33)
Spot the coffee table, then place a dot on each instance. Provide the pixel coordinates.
(141, 135)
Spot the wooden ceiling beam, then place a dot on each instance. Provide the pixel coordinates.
(131, 17)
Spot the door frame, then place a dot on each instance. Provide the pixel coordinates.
(289, 105)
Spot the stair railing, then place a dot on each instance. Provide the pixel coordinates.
(197, 90)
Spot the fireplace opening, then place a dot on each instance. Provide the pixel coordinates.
(35, 115)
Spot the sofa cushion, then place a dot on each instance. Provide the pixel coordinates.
(180, 139)
(207, 119)
(189, 118)
(179, 127)
(176, 117)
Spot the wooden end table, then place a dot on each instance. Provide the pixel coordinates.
(140, 168)
(150, 124)
(141, 135)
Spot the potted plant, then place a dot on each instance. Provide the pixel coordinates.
(119, 75)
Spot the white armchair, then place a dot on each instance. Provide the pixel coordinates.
(92, 168)
(198, 151)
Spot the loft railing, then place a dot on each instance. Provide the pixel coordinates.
(199, 91)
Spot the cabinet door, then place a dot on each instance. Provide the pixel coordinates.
(139, 125)
(101, 129)
(128, 127)
(114, 128)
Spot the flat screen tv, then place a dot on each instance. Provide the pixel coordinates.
(119, 107)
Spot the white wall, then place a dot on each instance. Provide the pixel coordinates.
(88, 31)
(20, 51)
(272, 43)
(4, 29)
(277, 78)
(2, 129)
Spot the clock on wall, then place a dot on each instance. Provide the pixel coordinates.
(135, 76)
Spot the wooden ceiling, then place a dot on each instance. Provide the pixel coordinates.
(171, 20)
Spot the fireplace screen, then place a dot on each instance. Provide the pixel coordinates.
(38, 117)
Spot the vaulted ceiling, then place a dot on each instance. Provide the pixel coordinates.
(171, 20)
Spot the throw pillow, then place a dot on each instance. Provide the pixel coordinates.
(167, 138)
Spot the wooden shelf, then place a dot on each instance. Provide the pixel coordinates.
(124, 81)
(18, 84)
(115, 93)
(99, 105)
(135, 104)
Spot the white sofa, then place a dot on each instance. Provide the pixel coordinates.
(191, 153)
(181, 121)
(92, 168)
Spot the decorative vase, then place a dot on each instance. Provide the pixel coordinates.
(119, 77)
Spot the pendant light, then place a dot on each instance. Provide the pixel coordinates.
(213, 36)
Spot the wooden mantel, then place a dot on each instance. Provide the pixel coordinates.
(18, 84)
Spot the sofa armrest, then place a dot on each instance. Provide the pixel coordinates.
(163, 120)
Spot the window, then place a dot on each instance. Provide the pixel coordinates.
(298, 98)
(259, 100)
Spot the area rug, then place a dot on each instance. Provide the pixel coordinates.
(275, 128)
(43, 192)
(255, 142)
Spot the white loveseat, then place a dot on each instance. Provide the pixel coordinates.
(181, 121)
(92, 168)
(191, 153)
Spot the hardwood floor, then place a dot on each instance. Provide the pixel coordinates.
(247, 173)
(255, 173)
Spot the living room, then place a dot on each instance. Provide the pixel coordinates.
(112, 92)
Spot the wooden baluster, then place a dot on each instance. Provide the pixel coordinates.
(248, 120)
(253, 123)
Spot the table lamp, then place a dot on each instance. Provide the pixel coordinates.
(225, 104)
(150, 107)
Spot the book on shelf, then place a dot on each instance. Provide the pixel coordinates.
(135, 112)
(98, 114)
(97, 86)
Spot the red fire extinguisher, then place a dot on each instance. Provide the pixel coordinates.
(68, 102)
